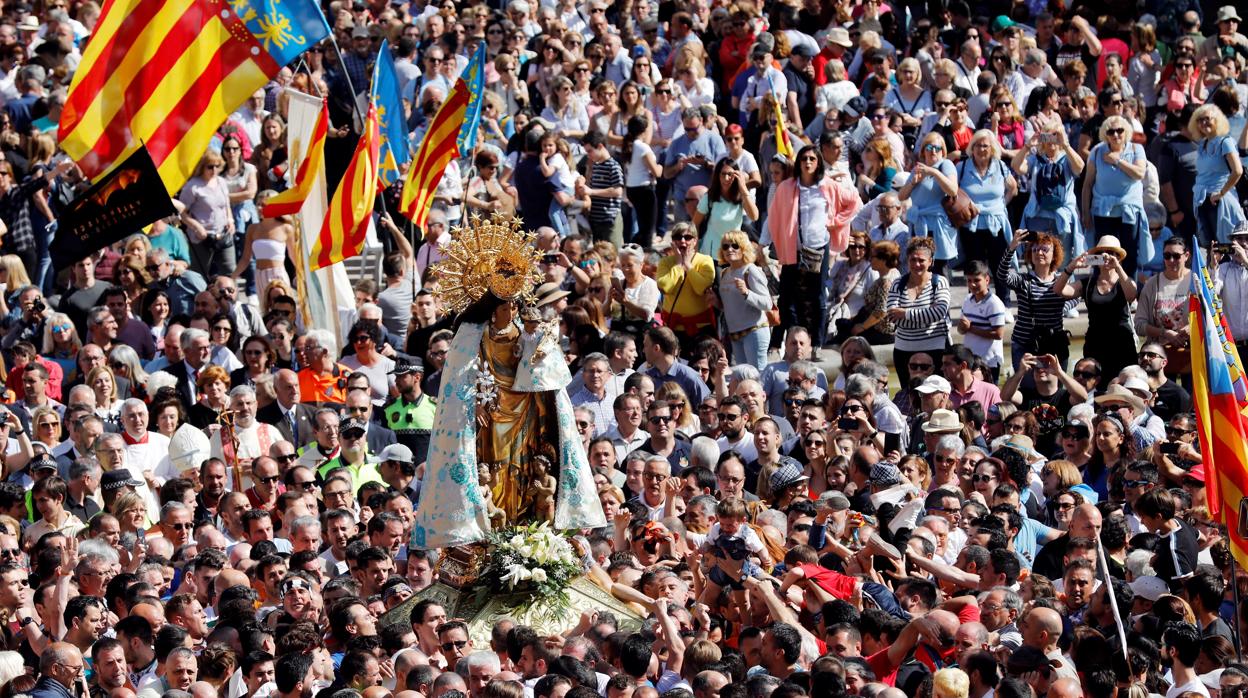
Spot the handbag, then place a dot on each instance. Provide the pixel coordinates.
(809, 259)
(959, 208)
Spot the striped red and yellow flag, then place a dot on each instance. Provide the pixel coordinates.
(289, 202)
(436, 151)
(346, 221)
(163, 73)
(1219, 399)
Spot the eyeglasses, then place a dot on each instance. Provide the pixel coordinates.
(582, 425)
(815, 442)
(879, 117)
(731, 246)
(455, 645)
(288, 458)
(660, 419)
(1175, 433)
(1172, 256)
(922, 367)
(983, 478)
(856, 246)
(794, 402)
(801, 527)
(664, 91)
(184, 526)
(1075, 434)
(653, 476)
(10, 554)
(1184, 65)
(361, 339)
(222, 328)
(1135, 484)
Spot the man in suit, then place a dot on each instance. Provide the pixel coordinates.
(360, 406)
(291, 417)
(196, 352)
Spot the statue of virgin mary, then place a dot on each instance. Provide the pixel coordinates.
(503, 410)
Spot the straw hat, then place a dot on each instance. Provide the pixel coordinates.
(1109, 244)
(1118, 394)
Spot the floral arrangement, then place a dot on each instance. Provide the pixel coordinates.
(534, 558)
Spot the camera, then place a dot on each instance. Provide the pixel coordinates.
(1096, 260)
(847, 423)
(1170, 448)
(39, 306)
(550, 259)
(1220, 248)
(1031, 236)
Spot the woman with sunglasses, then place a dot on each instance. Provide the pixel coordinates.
(124, 361)
(745, 299)
(1218, 171)
(366, 339)
(684, 276)
(1050, 166)
(60, 342)
(1184, 85)
(850, 277)
(208, 219)
(724, 207)
(258, 357)
(932, 178)
(1113, 189)
(808, 222)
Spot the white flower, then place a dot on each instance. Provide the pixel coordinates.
(516, 541)
(516, 574)
(539, 575)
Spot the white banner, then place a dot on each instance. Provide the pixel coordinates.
(330, 300)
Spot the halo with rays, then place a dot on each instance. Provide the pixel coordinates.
(494, 255)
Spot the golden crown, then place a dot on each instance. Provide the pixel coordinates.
(494, 255)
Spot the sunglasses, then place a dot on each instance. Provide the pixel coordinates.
(731, 246)
(289, 458)
(1135, 484)
(983, 478)
(922, 367)
(659, 419)
(1172, 256)
(1084, 375)
(726, 417)
(268, 480)
(684, 237)
(1115, 131)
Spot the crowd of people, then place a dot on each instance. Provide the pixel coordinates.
(822, 476)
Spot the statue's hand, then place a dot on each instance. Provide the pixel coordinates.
(482, 416)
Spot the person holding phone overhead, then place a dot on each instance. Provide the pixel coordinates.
(1051, 166)
(1038, 326)
(1108, 295)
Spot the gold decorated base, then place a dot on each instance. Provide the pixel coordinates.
(482, 611)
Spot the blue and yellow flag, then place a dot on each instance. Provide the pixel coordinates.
(395, 150)
(474, 78)
(286, 28)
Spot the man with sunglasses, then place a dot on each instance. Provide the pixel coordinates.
(1170, 398)
(663, 441)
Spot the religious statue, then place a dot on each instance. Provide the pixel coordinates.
(502, 403)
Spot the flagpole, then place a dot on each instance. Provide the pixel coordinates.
(1113, 598)
(355, 102)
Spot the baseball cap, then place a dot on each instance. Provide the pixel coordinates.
(360, 32)
(885, 474)
(934, 384)
(836, 500)
(1149, 587)
(395, 452)
(804, 50)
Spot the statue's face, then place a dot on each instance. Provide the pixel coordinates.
(505, 313)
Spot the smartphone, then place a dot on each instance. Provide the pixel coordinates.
(1170, 448)
(1096, 260)
(1031, 236)
(847, 423)
(1047, 138)
(550, 259)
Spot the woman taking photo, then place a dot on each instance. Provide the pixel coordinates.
(1108, 295)
(1113, 189)
(1050, 165)
(1218, 170)
(879, 167)
(918, 306)
(1038, 326)
(990, 186)
(932, 179)
(724, 206)
(640, 176)
(746, 299)
(808, 222)
(684, 276)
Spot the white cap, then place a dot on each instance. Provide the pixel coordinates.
(934, 384)
(1151, 588)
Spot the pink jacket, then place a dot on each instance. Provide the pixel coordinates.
(843, 205)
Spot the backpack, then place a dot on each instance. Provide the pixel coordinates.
(1050, 184)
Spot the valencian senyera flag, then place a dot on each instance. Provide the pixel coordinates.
(436, 151)
(1220, 396)
(289, 202)
(392, 122)
(351, 208)
(167, 74)
(474, 77)
(784, 142)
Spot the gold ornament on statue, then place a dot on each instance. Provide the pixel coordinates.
(493, 255)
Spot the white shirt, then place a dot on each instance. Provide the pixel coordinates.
(1196, 686)
(744, 448)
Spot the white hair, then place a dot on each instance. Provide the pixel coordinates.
(483, 659)
(131, 404)
(743, 372)
(189, 335)
(772, 517)
(96, 549)
(1140, 564)
(158, 380)
(704, 452)
(242, 391)
(323, 339)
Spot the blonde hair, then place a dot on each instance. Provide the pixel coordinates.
(96, 373)
(748, 253)
(42, 147)
(1221, 126)
(126, 500)
(210, 158)
(15, 269)
(1120, 122)
(49, 342)
(984, 134)
(1067, 473)
(884, 151)
(951, 683)
(675, 395)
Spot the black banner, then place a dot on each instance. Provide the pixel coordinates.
(125, 200)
